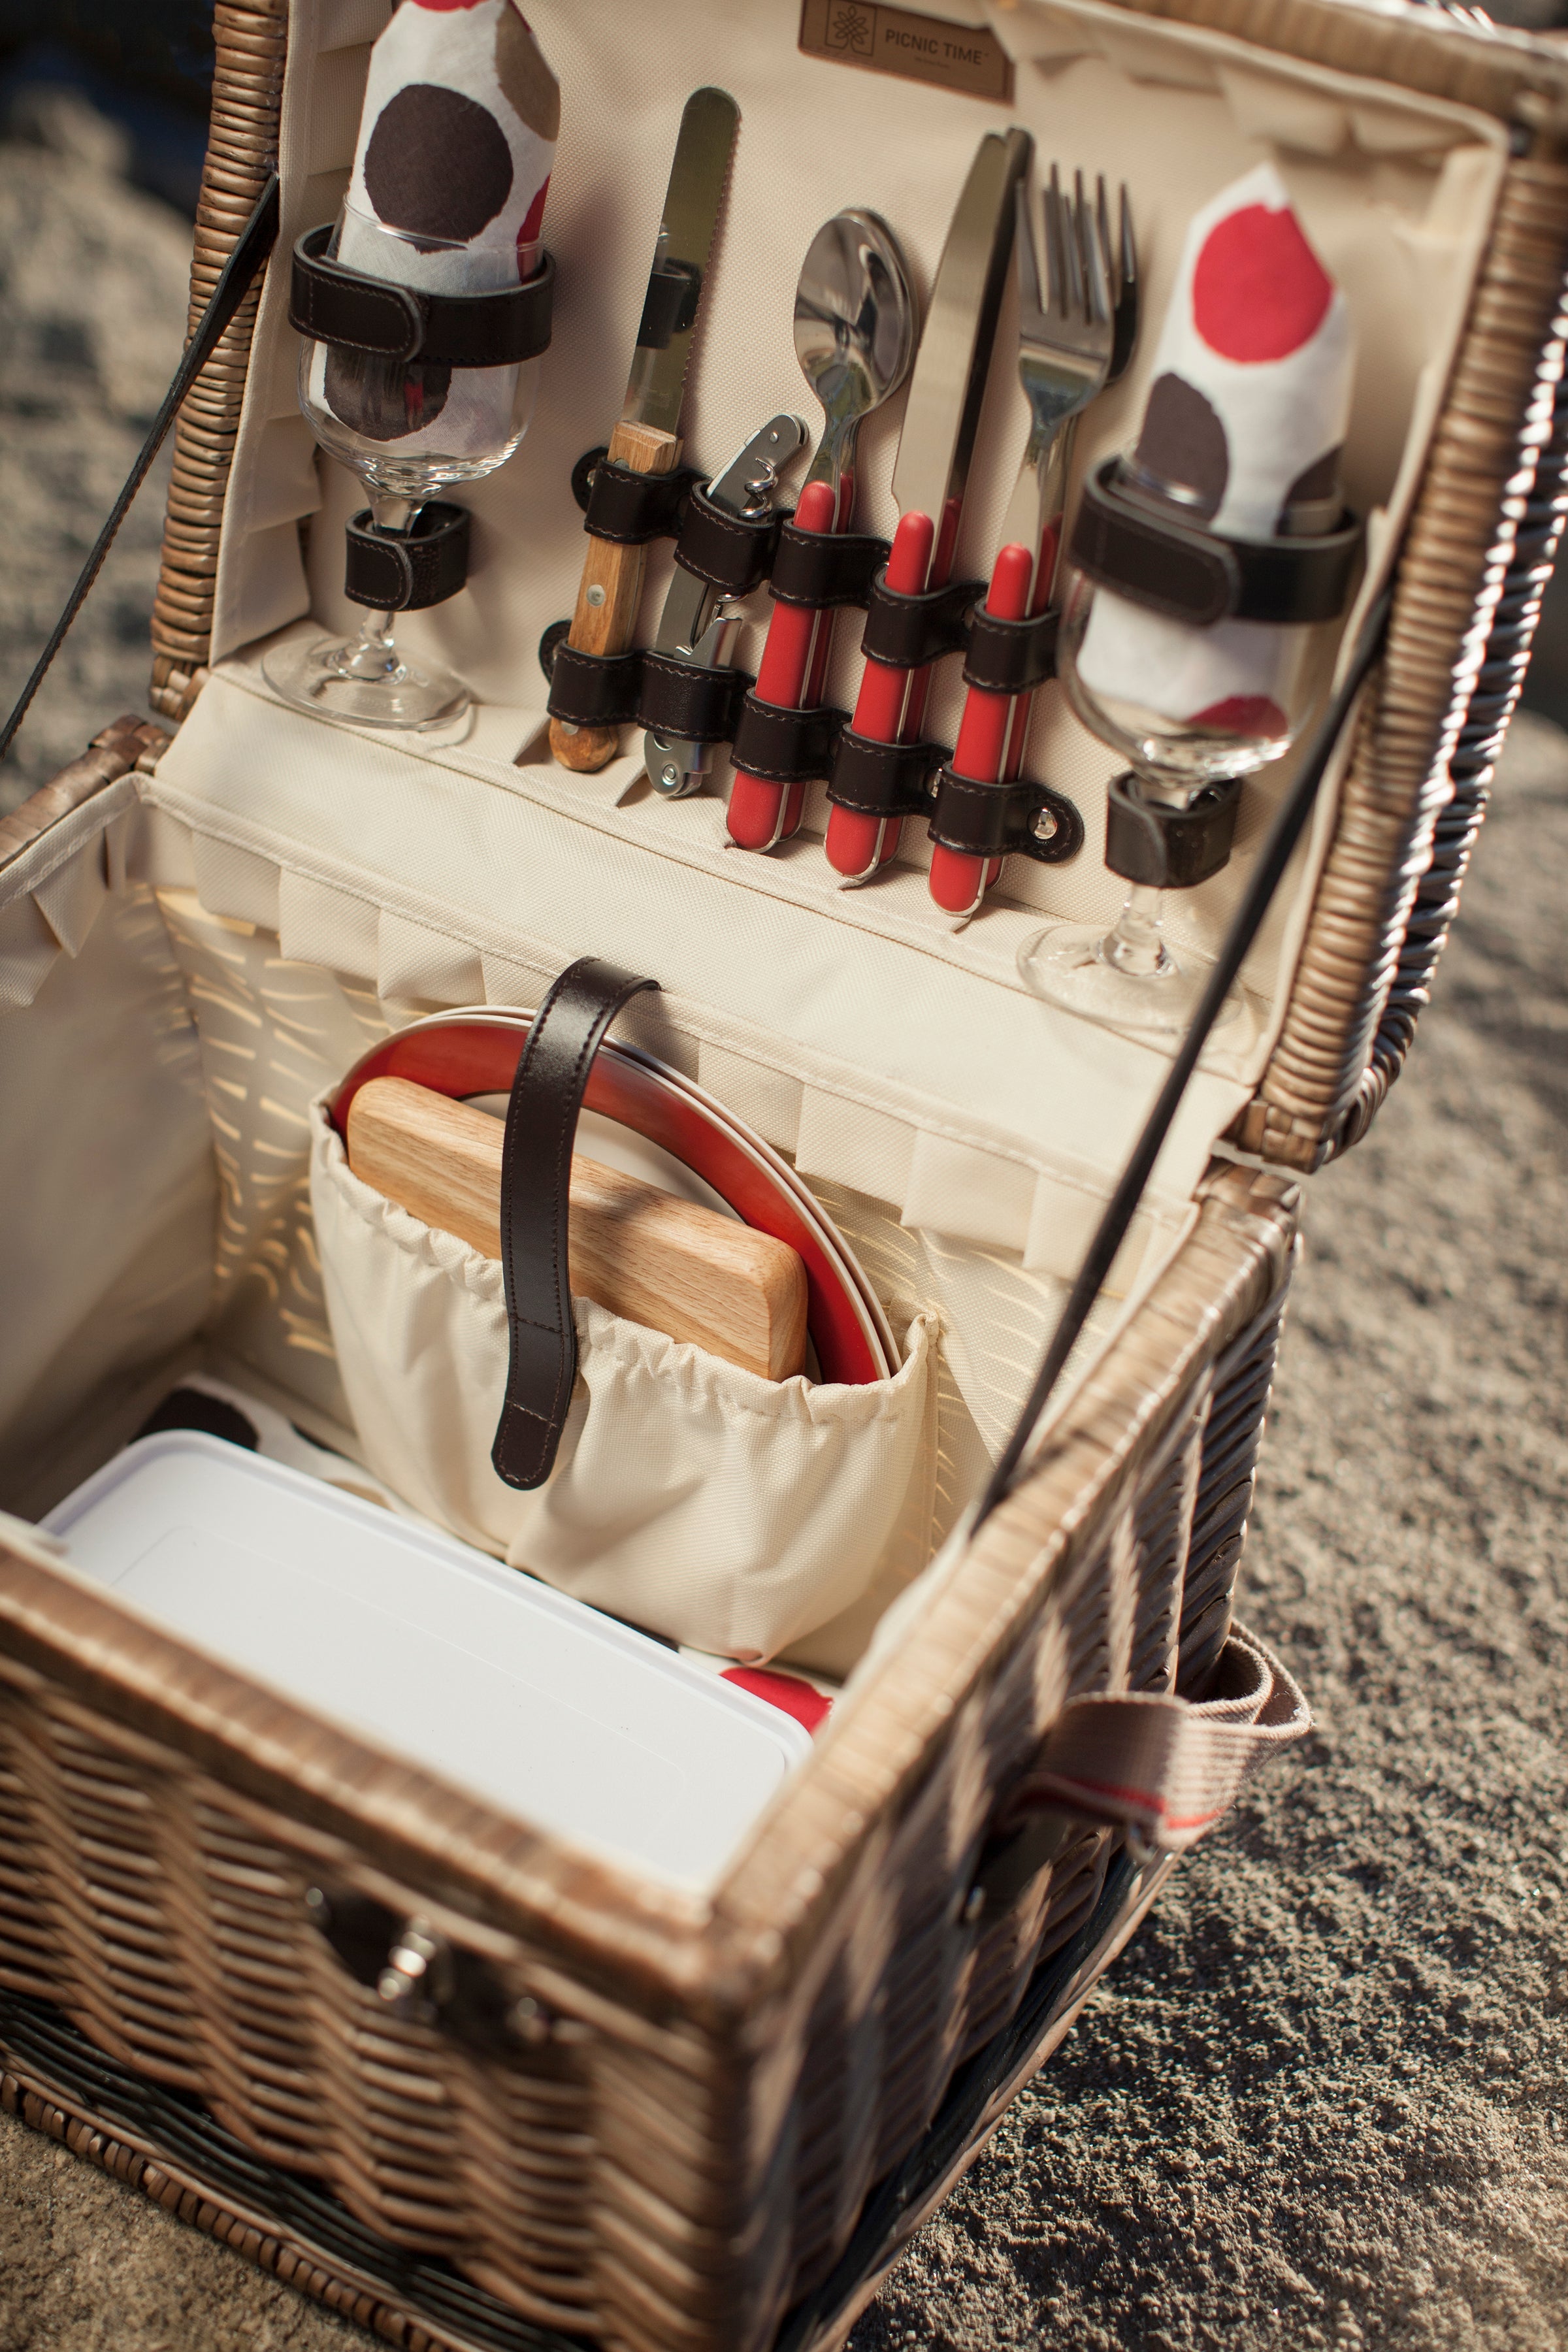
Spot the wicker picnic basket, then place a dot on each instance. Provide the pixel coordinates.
(636, 2117)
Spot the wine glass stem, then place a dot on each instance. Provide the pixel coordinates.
(375, 653)
(1136, 946)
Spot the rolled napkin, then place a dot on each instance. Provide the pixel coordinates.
(455, 144)
(1243, 428)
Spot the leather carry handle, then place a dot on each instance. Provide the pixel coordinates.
(536, 1186)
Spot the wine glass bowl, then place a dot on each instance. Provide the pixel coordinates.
(1251, 688)
(409, 429)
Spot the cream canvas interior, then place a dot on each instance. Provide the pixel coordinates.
(282, 891)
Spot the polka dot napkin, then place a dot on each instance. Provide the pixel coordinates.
(1243, 430)
(455, 144)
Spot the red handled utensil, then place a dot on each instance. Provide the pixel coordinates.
(857, 845)
(957, 882)
(1070, 346)
(762, 813)
(931, 470)
(855, 319)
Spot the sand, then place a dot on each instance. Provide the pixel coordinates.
(1323, 2098)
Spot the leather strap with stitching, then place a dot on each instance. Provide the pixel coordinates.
(731, 553)
(332, 303)
(595, 690)
(1010, 656)
(1153, 555)
(632, 510)
(683, 701)
(535, 1190)
(884, 779)
(823, 568)
(909, 631)
(407, 571)
(787, 746)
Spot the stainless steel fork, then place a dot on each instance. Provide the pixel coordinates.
(1066, 344)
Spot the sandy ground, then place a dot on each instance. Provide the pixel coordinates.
(93, 280)
(1323, 2100)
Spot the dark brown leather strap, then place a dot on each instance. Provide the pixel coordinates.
(787, 746)
(907, 631)
(631, 509)
(593, 689)
(823, 568)
(681, 701)
(1152, 554)
(535, 1188)
(406, 571)
(332, 303)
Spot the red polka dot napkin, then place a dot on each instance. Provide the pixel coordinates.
(1243, 430)
(455, 144)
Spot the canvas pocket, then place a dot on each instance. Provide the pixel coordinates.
(700, 1501)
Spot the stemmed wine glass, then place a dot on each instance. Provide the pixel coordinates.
(1130, 977)
(408, 428)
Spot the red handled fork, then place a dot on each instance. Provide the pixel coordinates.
(1071, 345)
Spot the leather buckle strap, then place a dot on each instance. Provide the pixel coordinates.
(787, 746)
(826, 568)
(535, 1190)
(884, 779)
(332, 303)
(1148, 552)
(630, 509)
(407, 571)
(681, 703)
(730, 551)
(1010, 656)
(593, 689)
(907, 631)
(1016, 820)
(1170, 848)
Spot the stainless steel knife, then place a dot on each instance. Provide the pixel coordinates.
(646, 438)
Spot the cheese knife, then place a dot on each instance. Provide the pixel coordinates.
(648, 437)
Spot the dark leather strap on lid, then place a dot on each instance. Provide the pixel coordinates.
(730, 551)
(884, 779)
(536, 1193)
(593, 689)
(907, 632)
(1147, 552)
(1010, 656)
(1170, 848)
(787, 746)
(682, 703)
(1017, 820)
(630, 509)
(333, 304)
(405, 571)
(826, 568)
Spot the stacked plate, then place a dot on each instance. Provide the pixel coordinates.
(653, 1122)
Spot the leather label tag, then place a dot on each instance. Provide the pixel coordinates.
(895, 41)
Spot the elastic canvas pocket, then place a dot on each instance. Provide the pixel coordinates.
(719, 1508)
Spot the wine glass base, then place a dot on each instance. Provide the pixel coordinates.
(337, 682)
(1066, 965)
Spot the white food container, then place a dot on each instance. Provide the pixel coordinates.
(519, 1694)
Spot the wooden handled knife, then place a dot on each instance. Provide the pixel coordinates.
(646, 438)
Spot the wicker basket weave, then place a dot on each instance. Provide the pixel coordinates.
(671, 2141)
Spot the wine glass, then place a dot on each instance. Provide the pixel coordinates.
(1252, 686)
(408, 428)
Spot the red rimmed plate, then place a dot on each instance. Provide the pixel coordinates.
(464, 1053)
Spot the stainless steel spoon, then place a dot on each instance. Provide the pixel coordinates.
(854, 321)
